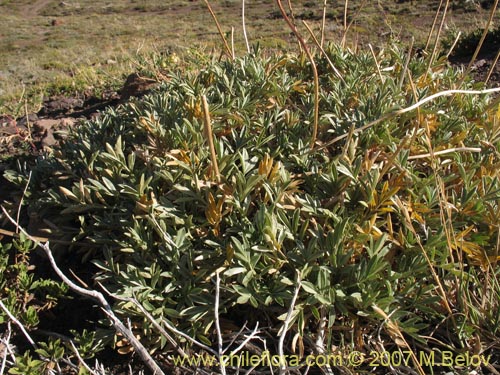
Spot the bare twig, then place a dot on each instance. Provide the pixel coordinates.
(323, 25)
(244, 25)
(80, 359)
(444, 152)
(93, 294)
(434, 49)
(286, 323)
(232, 42)
(376, 62)
(315, 73)
(335, 70)
(247, 340)
(220, 343)
(150, 318)
(481, 41)
(409, 109)
(454, 44)
(346, 4)
(21, 202)
(6, 342)
(407, 61)
(492, 67)
(12, 317)
(171, 327)
(395, 331)
(429, 37)
(353, 19)
(226, 45)
(210, 138)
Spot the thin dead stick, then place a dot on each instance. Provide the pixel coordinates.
(348, 26)
(6, 349)
(220, 342)
(95, 295)
(232, 42)
(444, 152)
(320, 340)
(150, 318)
(435, 276)
(246, 341)
(21, 202)
(434, 49)
(80, 359)
(226, 45)
(345, 23)
(376, 62)
(393, 327)
(244, 25)
(16, 235)
(17, 322)
(335, 70)
(492, 67)
(323, 25)
(454, 44)
(315, 73)
(171, 327)
(9, 348)
(406, 63)
(408, 109)
(434, 22)
(481, 41)
(286, 323)
(210, 138)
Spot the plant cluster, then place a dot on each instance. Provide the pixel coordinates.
(468, 43)
(385, 239)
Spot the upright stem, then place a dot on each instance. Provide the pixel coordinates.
(315, 73)
(226, 45)
(244, 25)
(481, 41)
(210, 138)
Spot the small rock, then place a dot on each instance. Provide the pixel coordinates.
(6, 120)
(56, 22)
(479, 63)
(25, 120)
(135, 85)
(48, 140)
(44, 125)
(67, 122)
(57, 105)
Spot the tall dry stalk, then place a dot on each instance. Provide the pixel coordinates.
(438, 35)
(480, 44)
(244, 25)
(347, 26)
(226, 45)
(492, 67)
(431, 31)
(315, 72)
(323, 25)
(208, 134)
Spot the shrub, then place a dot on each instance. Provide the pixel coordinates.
(366, 227)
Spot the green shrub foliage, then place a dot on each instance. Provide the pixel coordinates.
(360, 221)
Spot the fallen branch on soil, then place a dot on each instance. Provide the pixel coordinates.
(93, 294)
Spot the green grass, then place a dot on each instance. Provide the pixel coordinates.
(38, 59)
